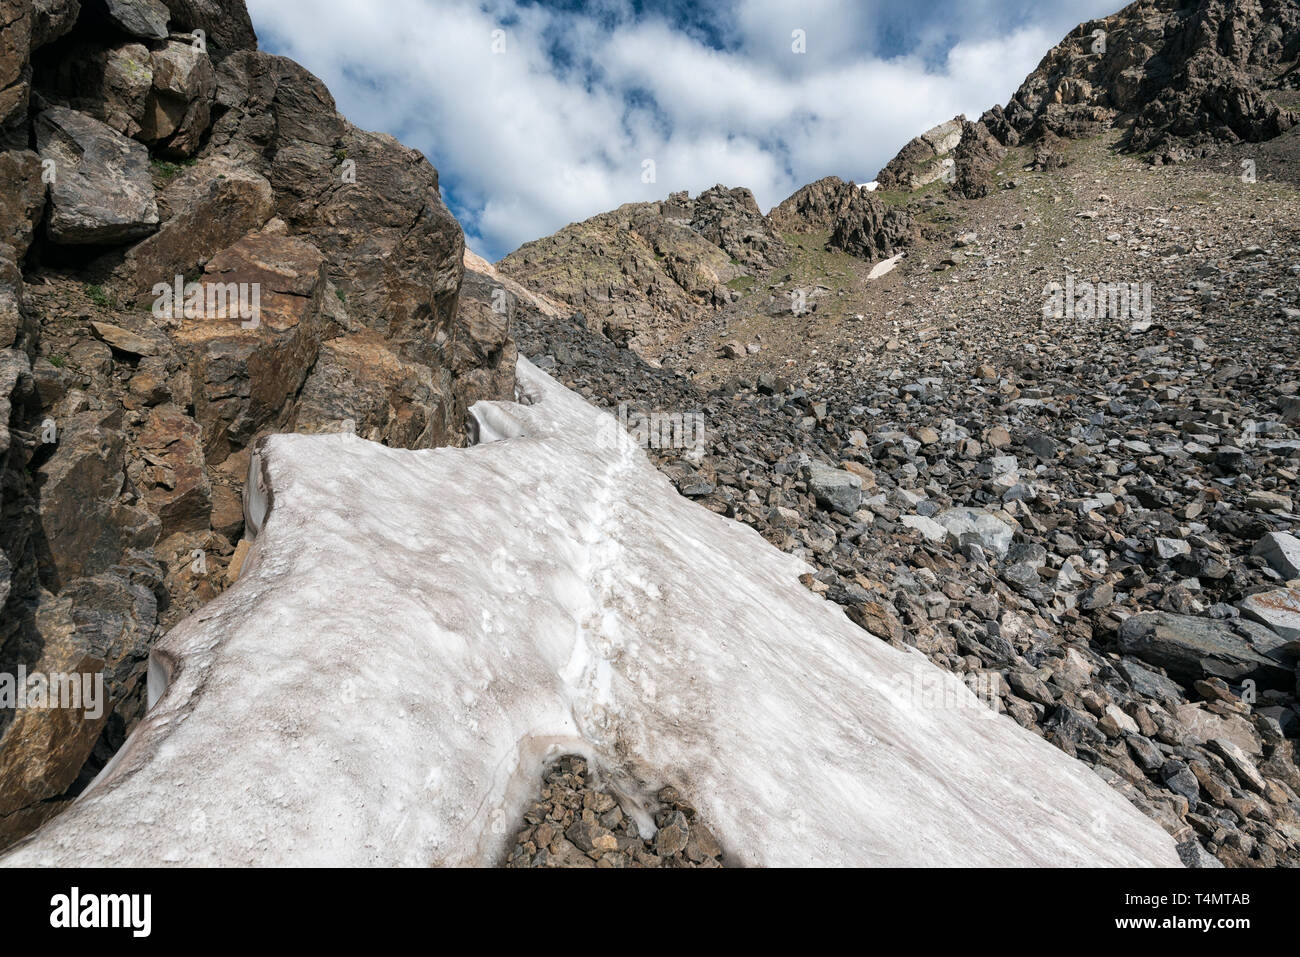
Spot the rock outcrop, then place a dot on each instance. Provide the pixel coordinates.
(1176, 73)
(854, 220)
(647, 269)
(924, 159)
(200, 251)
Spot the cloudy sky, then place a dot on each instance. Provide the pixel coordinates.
(539, 113)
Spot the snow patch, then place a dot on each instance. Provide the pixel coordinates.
(418, 632)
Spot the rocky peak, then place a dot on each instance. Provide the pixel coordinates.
(854, 220)
(1197, 72)
(642, 271)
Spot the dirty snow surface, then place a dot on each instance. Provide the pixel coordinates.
(416, 633)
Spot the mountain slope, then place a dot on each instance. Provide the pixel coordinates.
(1092, 351)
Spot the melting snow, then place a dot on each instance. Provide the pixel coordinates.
(416, 633)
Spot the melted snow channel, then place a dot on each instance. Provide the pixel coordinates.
(416, 633)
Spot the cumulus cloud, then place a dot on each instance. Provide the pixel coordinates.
(539, 115)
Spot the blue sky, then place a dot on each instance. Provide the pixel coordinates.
(539, 113)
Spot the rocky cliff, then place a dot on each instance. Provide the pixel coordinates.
(197, 249)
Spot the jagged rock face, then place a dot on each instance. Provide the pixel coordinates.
(813, 208)
(924, 159)
(855, 221)
(15, 63)
(371, 205)
(975, 159)
(1200, 71)
(486, 354)
(225, 24)
(645, 268)
(731, 220)
(125, 421)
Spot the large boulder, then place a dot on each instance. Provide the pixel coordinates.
(247, 371)
(485, 354)
(86, 517)
(972, 525)
(146, 19)
(1282, 552)
(225, 23)
(102, 191)
(1191, 648)
(209, 207)
(1279, 610)
(835, 490)
(112, 84)
(175, 481)
(361, 383)
(52, 19)
(179, 106)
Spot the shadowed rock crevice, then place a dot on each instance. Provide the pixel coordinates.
(327, 273)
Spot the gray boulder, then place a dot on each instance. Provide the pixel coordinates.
(992, 534)
(1191, 648)
(146, 19)
(102, 191)
(1282, 552)
(179, 108)
(835, 489)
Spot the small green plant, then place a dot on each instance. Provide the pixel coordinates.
(57, 361)
(99, 297)
(168, 170)
(341, 294)
(164, 169)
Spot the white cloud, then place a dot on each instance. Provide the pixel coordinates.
(525, 145)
